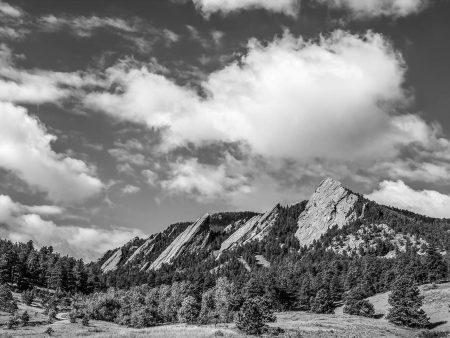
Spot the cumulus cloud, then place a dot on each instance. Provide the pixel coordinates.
(320, 96)
(22, 223)
(205, 182)
(400, 195)
(339, 100)
(25, 149)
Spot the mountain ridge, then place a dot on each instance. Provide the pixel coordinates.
(221, 236)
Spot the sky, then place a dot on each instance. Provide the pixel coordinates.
(119, 118)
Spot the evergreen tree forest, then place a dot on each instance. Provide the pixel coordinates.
(25, 267)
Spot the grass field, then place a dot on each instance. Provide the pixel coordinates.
(296, 324)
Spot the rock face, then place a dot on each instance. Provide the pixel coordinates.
(113, 261)
(331, 204)
(254, 229)
(144, 248)
(179, 244)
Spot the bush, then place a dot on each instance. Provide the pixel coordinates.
(85, 320)
(13, 321)
(189, 310)
(7, 302)
(432, 334)
(73, 316)
(106, 309)
(322, 303)
(51, 315)
(361, 308)
(25, 318)
(49, 331)
(27, 297)
(253, 315)
(143, 318)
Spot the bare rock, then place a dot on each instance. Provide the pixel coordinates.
(331, 204)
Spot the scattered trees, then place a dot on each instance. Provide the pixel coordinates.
(356, 305)
(253, 316)
(406, 305)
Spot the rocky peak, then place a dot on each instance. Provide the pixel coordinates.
(331, 204)
(180, 243)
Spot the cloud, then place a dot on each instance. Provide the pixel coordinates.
(134, 30)
(21, 224)
(130, 190)
(321, 96)
(376, 8)
(205, 182)
(25, 149)
(38, 86)
(150, 177)
(10, 11)
(207, 7)
(357, 8)
(85, 26)
(339, 101)
(425, 202)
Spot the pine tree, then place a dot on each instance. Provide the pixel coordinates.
(323, 302)
(406, 305)
(7, 302)
(435, 264)
(25, 318)
(4, 269)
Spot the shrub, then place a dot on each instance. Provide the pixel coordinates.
(85, 320)
(51, 315)
(73, 316)
(253, 315)
(432, 334)
(49, 331)
(25, 318)
(189, 310)
(12, 322)
(141, 318)
(361, 308)
(322, 303)
(106, 309)
(7, 302)
(27, 297)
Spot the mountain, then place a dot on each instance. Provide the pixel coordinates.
(331, 204)
(334, 219)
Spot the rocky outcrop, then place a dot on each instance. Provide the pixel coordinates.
(179, 244)
(330, 205)
(144, 248)
(113, 262)
(254, 229)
